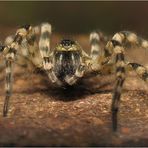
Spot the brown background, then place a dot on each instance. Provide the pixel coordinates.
(78, 17)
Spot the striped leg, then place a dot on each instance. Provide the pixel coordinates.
(95, 45)
(44, 47)
(115, 47)
(8, 86)
(44, 43)
(10, 52)
(8, 83)
(48, 67)
(120, 77)
(132, 39)
(26, 37)
(22, 54)
(78, 74)
(30, 47)
(125, 38)
(120, 70)
(96, 51)
(140, 70)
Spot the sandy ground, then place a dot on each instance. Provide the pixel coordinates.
(41, 114)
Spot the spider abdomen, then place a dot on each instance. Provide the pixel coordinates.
(66, 63)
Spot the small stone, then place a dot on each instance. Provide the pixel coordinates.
(125, 130)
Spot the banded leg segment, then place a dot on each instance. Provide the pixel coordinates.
(123, 38)
(8, 83)
(96, 49)
(140, 70)
(25, 32)
(26, 40)
(31, 44)
(48, 67)
(10, 51)
(44, 43)
(133, 39)
(114, 48)
(95, 45)
(44, 47)
(12, 44)
(22, 53)
(120, 77)
(78, 74)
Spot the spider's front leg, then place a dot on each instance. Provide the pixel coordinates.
(8, 83)
(115, 50)
(9, 53)
(78, 74)
(46, 54)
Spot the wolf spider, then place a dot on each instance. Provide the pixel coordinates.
(67, 63)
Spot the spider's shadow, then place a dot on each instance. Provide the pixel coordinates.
(75, 92)
(80, 90)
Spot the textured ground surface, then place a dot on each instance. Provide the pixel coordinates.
(43, 115)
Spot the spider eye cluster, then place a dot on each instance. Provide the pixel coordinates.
(26, 26)
(67, 42)
(67, 45)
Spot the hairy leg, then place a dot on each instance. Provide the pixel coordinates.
(78, 74)
(140, 70)
(9, 52)
(45, 51)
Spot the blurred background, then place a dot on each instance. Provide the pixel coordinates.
(77, 17)
(79, 117)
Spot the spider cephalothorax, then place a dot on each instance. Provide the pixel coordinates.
(67, 63)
